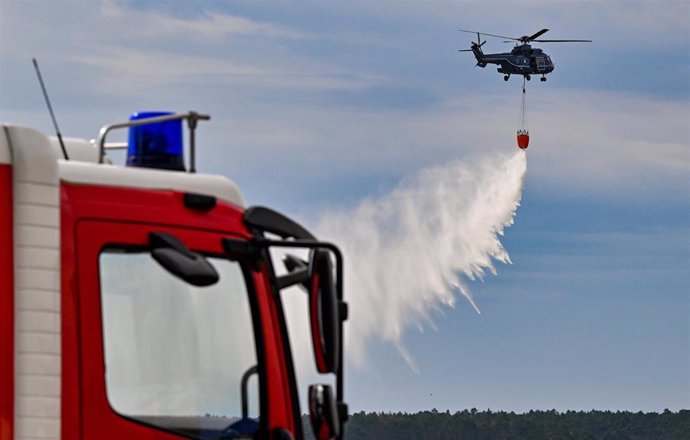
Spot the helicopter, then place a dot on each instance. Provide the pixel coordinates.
(522, 60)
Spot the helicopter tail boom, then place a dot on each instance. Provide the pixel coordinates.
(478, 54)
(476, 49)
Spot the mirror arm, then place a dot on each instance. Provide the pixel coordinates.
(243, 250)
(298, 276)
(293, 263)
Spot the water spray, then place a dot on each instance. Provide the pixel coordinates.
(410, 252)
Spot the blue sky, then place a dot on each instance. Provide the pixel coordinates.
(317, 105)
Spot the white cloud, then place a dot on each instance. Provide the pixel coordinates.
(134, 51)
(127, 71)
(212, 25)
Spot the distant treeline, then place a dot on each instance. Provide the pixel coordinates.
(534, 425)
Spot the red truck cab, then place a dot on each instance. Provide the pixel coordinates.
(143, 303)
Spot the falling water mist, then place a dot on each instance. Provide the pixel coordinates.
(410, 252)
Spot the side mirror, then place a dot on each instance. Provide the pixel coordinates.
(177, 259)
(323, 412)
(323, 312)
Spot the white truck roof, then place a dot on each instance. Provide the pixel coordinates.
(83, 167)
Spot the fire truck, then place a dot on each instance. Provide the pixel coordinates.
(144, 301)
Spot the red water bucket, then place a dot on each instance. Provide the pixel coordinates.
(522, 139)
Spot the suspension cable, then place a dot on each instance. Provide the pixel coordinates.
(523, 108)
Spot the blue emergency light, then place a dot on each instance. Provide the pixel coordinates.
(156, 145)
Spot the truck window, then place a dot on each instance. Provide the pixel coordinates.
(176, 354)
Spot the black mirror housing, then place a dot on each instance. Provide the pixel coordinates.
(177, 259)
(324, 312)
(323, 412)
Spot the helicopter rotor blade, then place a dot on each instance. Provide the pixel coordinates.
(523, 39)
(464, 50)
(563, 41)
(490, 35)
(541, 32)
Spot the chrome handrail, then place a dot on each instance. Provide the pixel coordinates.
(191, 117)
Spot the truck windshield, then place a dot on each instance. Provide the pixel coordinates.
(176, 354)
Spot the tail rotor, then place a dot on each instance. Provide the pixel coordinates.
(480, 43)
(474, 45)
(476, 48)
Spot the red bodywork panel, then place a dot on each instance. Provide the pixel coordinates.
(93, 216)
(6, 305)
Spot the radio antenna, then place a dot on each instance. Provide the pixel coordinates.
(50, 109)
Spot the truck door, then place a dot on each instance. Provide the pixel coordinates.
(159, 357)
